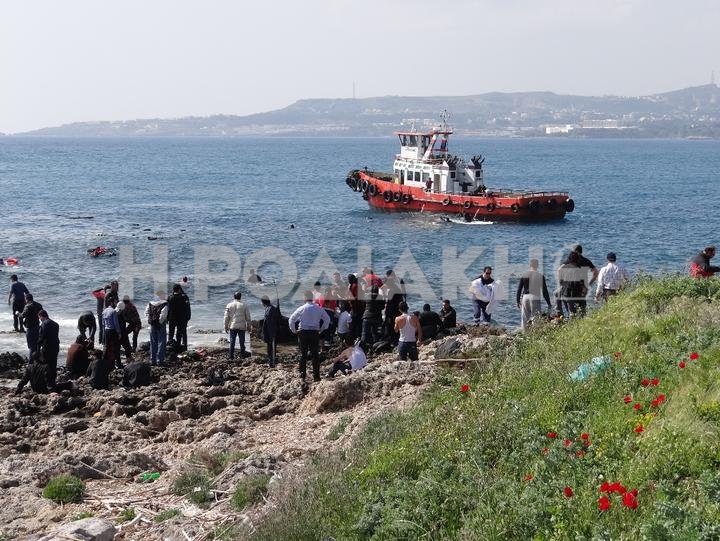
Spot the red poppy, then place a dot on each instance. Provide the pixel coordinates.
(529, 477)
(568, 492)
(645, 382)
(618, 487)
(655, 381)
(617, 354)
(545, 451)
(629, 500)
(637, 406)
(694, 356)
(587, 443)
(654, 403)
(661, 398)
(627, 399)
(579, 454)
(604, 503)
(634, 492)
(681, 364)
(568, 443)
(585, 435)
(464, 388)
(605, 487)
(552, 435)
(639, 429)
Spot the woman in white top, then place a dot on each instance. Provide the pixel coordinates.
(410, 333)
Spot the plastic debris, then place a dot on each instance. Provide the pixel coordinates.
(593, 366)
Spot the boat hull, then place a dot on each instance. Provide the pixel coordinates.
(384, 194)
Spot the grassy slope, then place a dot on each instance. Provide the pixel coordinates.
(457, 465)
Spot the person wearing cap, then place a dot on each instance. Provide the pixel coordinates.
(237, 319)
(611, 278)
(271, 323)
(307, 322)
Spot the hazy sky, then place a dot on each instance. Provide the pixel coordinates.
(74, 60)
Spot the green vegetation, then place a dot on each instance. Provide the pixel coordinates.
(339, 429)
(64, 489)
(216, 463)
(197, 487)
(127, 514)
(249, 490)
(525, 452)
(162, 516)
(82, 514)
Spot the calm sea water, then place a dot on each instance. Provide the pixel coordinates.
(655, 203)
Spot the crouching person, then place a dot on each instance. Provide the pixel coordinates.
(41, 378)
(351, 359)
(136, 374)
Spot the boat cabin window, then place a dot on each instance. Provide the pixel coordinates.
(413, 140)
(402, 176)
(452, 174)
(417, 176)
(478, 173)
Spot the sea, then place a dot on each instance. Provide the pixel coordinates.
(210, 208)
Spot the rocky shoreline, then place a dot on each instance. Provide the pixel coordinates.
(267, 421)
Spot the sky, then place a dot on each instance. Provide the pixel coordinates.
(84, 60)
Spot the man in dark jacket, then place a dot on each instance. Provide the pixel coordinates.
(700, 266)
(32, 323)
(430, 322)
(49, 344)
(372, 317)
(87, 323)
(178, 316)
(78, 358)
(16, 298)
(36, 373)
(271, 323)
(448, 315)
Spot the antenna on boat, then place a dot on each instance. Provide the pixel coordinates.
(444, 116)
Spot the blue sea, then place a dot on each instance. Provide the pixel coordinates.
(653, 202)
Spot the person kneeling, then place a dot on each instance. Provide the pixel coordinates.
(38, 375)
(351, 359)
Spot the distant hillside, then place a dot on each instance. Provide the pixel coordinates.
(689, 112)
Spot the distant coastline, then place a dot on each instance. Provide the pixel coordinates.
(690, 113)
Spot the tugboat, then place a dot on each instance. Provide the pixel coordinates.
(427, 178)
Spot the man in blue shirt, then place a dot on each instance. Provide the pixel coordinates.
(307, 322)
(111, 335)
(16, 298)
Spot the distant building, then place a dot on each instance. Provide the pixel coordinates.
(554, 130)
(606, 124)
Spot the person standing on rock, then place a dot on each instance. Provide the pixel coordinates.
(531, 290)
(99, 295)
(483, 295)
(307, 322)
(178, 316)
(611, 279)
(31, 321)
(49, 344)
(16, 299)
(130, 320)
(271, 323)
(156, 314)
(112, 333)
(410, 333)
(237, 319)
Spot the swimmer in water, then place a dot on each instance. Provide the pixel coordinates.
(292, 226)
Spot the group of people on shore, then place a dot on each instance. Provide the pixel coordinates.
(365, 313)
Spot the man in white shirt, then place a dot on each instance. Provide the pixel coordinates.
(307, 322)
(351, 359)
(611, 279)
(237, 319)
(344, 322)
